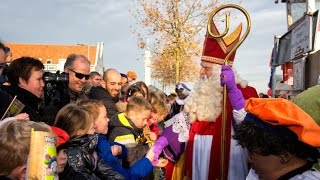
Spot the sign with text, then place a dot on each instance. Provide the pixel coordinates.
(301, 35)
(298, 74)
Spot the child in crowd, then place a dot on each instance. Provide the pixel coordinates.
(135, 91)
(111, 151)
(171, 98)
(82, 157)
(64, 169)
(144, 87)
(62, 158)
(126, 128)
(160, 111)
(132, 91)
(153, 97)
(15, 146)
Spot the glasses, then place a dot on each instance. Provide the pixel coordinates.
(80, 75)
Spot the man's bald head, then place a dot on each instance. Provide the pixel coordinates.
(112, 78)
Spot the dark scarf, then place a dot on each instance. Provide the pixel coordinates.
(297, 171)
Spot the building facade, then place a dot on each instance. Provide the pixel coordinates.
(54, 56)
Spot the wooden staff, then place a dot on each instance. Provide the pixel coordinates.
(224, 110)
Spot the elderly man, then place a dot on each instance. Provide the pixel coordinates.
(204, 106)
(109, 95)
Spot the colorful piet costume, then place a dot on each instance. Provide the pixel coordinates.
(172, 143)
(281, 138)
(294, 130)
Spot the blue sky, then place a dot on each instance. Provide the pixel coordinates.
(92, 21)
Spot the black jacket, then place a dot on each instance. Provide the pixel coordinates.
(109, 102)
(70, 174)
(4, 178)
(33, 104)
(84, 160)
(60, 97)
(5, 100)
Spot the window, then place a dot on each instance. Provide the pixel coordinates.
(295, 10)
(51, 68)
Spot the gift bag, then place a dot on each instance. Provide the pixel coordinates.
(42, 162)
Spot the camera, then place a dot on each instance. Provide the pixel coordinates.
(55, 77)
(56, 86)
(56, 94)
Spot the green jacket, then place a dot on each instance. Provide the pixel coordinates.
(309, 101)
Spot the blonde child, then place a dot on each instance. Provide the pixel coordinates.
(14, 142)
(160, 111)
(111, 151)
(82, 157)
(126, 128)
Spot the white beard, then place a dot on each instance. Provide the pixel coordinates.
(205, 101)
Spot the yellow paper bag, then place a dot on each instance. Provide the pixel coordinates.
(42, 162)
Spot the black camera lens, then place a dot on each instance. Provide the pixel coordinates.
(55, 77)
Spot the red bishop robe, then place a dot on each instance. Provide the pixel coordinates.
(215, 129)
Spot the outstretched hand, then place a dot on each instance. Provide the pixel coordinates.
(154, 160)
(227, 78)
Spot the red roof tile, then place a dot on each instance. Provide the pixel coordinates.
(52, 52)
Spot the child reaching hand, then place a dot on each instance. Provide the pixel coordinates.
(160, 111)
(126, 128)
(110, 151)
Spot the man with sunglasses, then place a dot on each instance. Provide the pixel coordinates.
(78, 69)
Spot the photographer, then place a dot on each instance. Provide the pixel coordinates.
(62, 90)
(25, 76)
